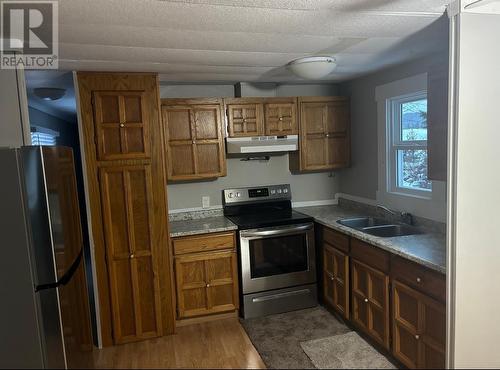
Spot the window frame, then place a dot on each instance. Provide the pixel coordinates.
(394, 143)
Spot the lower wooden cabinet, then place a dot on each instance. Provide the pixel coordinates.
(206, 282)
(336, 279)
(370, 301)
(419, 328)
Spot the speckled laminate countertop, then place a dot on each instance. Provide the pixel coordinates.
(426, 249)
(200, 226)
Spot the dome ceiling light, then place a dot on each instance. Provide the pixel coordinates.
(312, 68)
(49, 93)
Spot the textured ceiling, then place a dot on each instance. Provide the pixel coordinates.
(245, 40)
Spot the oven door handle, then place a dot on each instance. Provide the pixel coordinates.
(275, 232)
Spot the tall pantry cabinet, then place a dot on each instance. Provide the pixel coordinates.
(122, 141)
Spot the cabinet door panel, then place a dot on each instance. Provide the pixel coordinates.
(127, 209)
(337, 117)
(222, 281)
(245, 120)
(370, 290)
(338, 151)
(123, 299)
(208, 158)
(314, 116)
(207, 122)
(121, 125)
(191, 285)
(280, 119)
(336, 280)
(315, 156)
(181, 160)
(178, 123)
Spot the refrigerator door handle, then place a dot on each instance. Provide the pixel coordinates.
(65, 278)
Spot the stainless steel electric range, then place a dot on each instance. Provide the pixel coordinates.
(276, 250)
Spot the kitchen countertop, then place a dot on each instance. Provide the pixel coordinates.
(200, 226)
(426, 249)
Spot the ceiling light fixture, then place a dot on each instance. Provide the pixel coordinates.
(49, 93)
(312, 68)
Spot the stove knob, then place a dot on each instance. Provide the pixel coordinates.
(279, 191)
(285, 190)
(230, 195)
(238, 194)
(273, 191)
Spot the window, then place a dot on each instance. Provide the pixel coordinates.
(43, 136)
(407, 144)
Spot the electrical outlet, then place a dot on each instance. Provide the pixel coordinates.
(205, 201)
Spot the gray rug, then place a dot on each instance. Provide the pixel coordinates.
(345, 351)
(277, 338)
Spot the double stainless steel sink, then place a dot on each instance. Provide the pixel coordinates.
(379, 227)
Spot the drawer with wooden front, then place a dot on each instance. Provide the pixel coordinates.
(204, 243)
(419, 277)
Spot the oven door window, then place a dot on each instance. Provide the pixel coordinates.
(278, 255)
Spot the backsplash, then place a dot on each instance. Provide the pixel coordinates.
(195, 215)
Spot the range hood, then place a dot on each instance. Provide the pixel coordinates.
(262, 144)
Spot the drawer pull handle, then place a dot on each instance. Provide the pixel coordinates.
(366, 300)
(208, 285)
(122, 125)
(417, 337)
(419, 280)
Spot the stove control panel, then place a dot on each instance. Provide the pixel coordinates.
(257, 193)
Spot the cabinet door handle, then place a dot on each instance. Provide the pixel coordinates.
(419, 280)
(208, 285)
(122, 125)
(327, 135)
(417, 337)
(281, 118)
(366, 300)
(332, 278)
(132, 256)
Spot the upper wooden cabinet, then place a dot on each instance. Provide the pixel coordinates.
(324, 134)
(121, 125)
(261, 116)
(280, 118)
(194, 138)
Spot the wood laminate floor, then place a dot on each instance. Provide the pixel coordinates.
(216, 344)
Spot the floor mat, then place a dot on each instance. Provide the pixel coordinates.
(277, 338)
(345, 351)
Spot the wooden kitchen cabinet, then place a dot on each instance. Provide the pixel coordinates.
(245, 117)
(121, 124)
(335, 271)
(132, 261)
(122, 137)
(194, 138)
(206, 275)
(336, 279)
(419, 328)
(324, 134)
(280, 116)
(370, 301)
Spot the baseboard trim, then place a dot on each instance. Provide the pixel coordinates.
(202, 319)
(313, 203)
(355, 198)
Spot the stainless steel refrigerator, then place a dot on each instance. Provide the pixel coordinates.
(44, 310)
